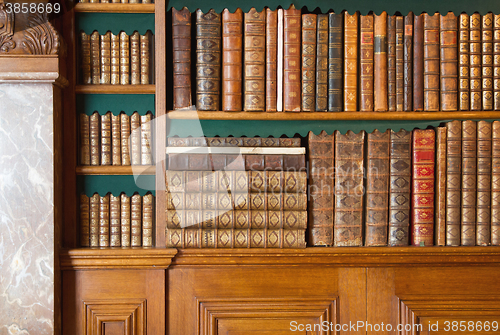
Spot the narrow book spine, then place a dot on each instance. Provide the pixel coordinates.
(125, 219)
(391, 63)
(114, 221)
(399, 63)
(115, 59)
(86, 58)
(84, 139)
(95, 57)
(322, 63)
(335, 62)
(106, 139)
(496, 63)
(95, 143)
(271, 59)
(495, 184)
(475, 62)
(106, 58)
(366, 63)
(232, 53)
(279, 70)
(84, 221)
(380, 63)
(440, 201)
(418, 63)
(453, 181)
(449, 62)
(309, 22)
(124, 58)
(116, 153)
(463, 63)
(146, 140)
(181, 47)
(135, 139)
(255, 61)
(125, 138)
(351, 62)
(94, 220)
(469, 182)
(104, 221)
(146, 42)
(483, 198)
(135, 59)
(147, 220)
(487, 61)
(408, 63)
(431, 62)
(291, 60)
(135, 220)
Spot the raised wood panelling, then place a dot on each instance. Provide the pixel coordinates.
(114, 170)
(127, 317)
(115, 89)
(115, 7)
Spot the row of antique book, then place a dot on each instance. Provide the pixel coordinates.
(114, 221)
(115, 139)
(116, 59)
(282, 60)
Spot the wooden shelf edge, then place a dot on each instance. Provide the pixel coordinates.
(115, 89)
(325, 116)
(116, 170)
(115, 8)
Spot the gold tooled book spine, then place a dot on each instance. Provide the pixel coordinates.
(124, 58)
(106, 139)
(483, 198)
(104, 221)
(106, 58)
(86, 58)
(135, 59)
(115, 59)
(116, 152)
(84, 139)
(94, 220)
(95, 56)
(147, 220)
(135, 139)
(114, 221)
(146, 140)
(84, 221)
(125, 220)
(125, 138)
(136, 221)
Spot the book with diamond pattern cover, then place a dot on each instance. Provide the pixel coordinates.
(487, 60)
(440, 199)
(292, 92)
(453, 182)
(475, 62)
(463, 62)
(495, 184)
(496, 62)
(366, 63)
(322, 63)
(469, 182)
(181, 47)
(335, 61)
(255, 60)
(483, 199)
(233, 141)
(309, 62)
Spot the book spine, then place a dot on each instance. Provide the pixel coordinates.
(95, 57)
(104, 221)
(291, 60)
(135, 59)
(135, 139)
(418, 63)
(423, 187)
(391, 62)
(114, 221)
(469, 182)
(115, 59)
(279, 70)
(366, 63)
(380, 63)
(95, 143)
(208, 56)
(232, 55)
(124, 58)
(125, 136)
(135, 220)
(440, 201)
(106, 58)
(431, 62)
(84, 221)
(487, 60)
(125, 220)
(116, 140)
(449, 62)
(106, 139)
(146, 155)
(453, 181)
(483, 198)
(408, 63)
(146, 41)
(377, 189)
(475, 62)
(463, 63)
(322, 63)
(399, 63)
(84, 139)
(271, 59)
(94, 220)
(495, 184)
(309, 22)
(399, 192)
(496, 63)
(181, 47)
(351, 62)
(255, 61)
(335, 61)
(86, 58)
(349, 190)
(147, 220)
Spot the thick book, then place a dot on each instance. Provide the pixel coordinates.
(399, 63)
(106, 139)
(271, 59)
(147, 220)
(320, 206)
(125, 217)
(495, 183)
(94, 220)
(422, 195)
(487, 60)
(135, 139)
(449, 62)
(95, 143)
(292, 92)
(335, 61)
(208, 60)
(418, 63)
(380, 63)
(431, 62)
(309, 22)
(440, 198)
(84, 139)
(496, 62)
(84, 221)
(453, 181)
(391, 62)
(475, 62)
(366, 63)
(146, 139)
(322, 63)
(235, 238)
(350, 62)
(483, 198)
(377, 188)
(124, 58)
(254, 67)
(135, 58)
(106, 58)
(86, 64)
(116, 152)
(104, 221)
(469, 182)
(232, 55)
(147, 57)
(114, 221)
(408, 63)
(463, 62)
(135, 220)
(95, 56)
(349, 170)
(181, 48)
(125, 138)
(399, 188)
(233, 141)
(115, 59)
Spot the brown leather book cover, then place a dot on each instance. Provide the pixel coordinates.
(146, 139)
(106, 58)
(399, 63)
(125, 220)
(115, 59)
(95, 142)
(431, 62)
(366, 63)
(487, 60)
(147, 220)
(335, 61)
(84, 221)
(208, 56)
(496, 62)
(399, 188)
(350, 62)
(147, 56)
(321, 177)
(95, 56)
(84, 139)
(232, 57)
(124, 58)
(86, 64)
(114, 221)
(391, 62)
(463, 62)
(104, 221)
(106, 139)
(135, 59)
(125, 135)
(453, 182)
(449, 62)
(255, 61)
(495, 184)
(469, 182)
(135, 139)
(440, 201)
(349, 168)
(116, 152)
(422, 195)
(309, 22)
(94, 220)
(271, 59)
(135, 220)
(279, 60)
(418, 63)
(377, 188)
(408, 63)
(291, 60)
(322, 63)
(181, 47)
(380, 63)
(483, 198)
(475, 62)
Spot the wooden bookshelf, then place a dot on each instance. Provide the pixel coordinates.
(115, 8)
(116, 170)
(115, 89)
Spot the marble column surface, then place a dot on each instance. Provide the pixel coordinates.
(26, 209)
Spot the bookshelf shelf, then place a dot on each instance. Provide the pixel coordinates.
(114, 8)
(115, 89)
(116, 170)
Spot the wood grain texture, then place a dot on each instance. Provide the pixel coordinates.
(115, 89)
(114, 8)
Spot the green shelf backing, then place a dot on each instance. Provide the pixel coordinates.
(115, 22)
(115, 103)
(115, 184)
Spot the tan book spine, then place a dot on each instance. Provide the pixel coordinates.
(496, 63)
(399, 63)
(475, 62)
(135, 59)
(487, 61)
(309, 22)
(125, 220)
(104, 221)
(106, 139)
(291, 60)
(116, 152)
(125, 137)
(483, 199)
(115, 59)
(322, 63)
(431, 62)
(232, 55)
(449, 62)
(391, 62)
(86, 58)
(350, 62)
(469, 182)
(366, 63)
(495, 184)
(95, 143)
(146, 140)
(94, 220)
(147, 220)
(440, 199)
(135, 139)
(124, 1)
(84, 221)
(380, 63)
(255, 61)
(124, 58)
(463, 63)
(279, 58)
(95, 53)
(114, 221)
(84, 139)
(106, 58)
(136, 220)
(453, 182)
(271, 59)
(146, 41)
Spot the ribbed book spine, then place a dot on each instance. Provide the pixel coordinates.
(114, 221)
(453, 182)
(135, 139)
(95, 143)
(115, 59)
(469, 182)
(271, 59)
(125, 217)
(483, 199)
(146, 62)
(95, 57)
(391, 62)
(146, 140)
(380, 63)
(279, 69)
(86, 58)
(309, 62)
(463, 62)
(495, 184)
(125, 138)
(84, 221)
(475, 62)
(335, 62)
(487, 60)
(124, 58)
(116, 153)
(106, 58)
(255, 61)
(135, 220)
(147, 220)
(418, 63)
(106, 139)
(232, 53)
(322, 63)
(408, 63)
(431, 62)
(366, 63)
(291, 60)
(496, 62)
(135, 59)
(104, 221)
(399, 63)
(350, 62)
(84, 139)
(449, 62)
(94, 220)
(181, 46)
(440, 201)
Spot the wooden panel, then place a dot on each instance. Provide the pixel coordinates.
(115, 89)
(126, 316)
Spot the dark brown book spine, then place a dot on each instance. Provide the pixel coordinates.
(453, 181)
(463, 62)
(208, 60)
(309, 62)
(475, 62)
(95, 143)
(408, 63)
(366, 63)
(106, 58)
(487, 61)
(399, 63)
(449, 62)
(349, 190)
(181, 47)
(322, 63)
(380, 63)
(350, 62)
(431, 62)
(391, 62)
(440, 200)
(86, 56)
(125, 220)
(496, 62)
(291, 60)
(116, 152)
(255, 61)
(483, 198)
(104, 221)
(271, 59)
(335, 61)
(114, 221)
(106, 139)
(84, 221)
(418, 63)
(399, 193)
(94, 220)
(135, 220)
(84, 139)
(469, 182)
(495, 184)
(377, 188)
(125, 136)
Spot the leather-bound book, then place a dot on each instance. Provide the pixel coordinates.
(84, 139)
(116, 151)
(106, 139)
(322, 63)
(146, 60)
(469, 182)
(254, 61)
(422, 192)
(292, 92)
(232, 55)
(399, 63)
(125, 220)
(115, 59)
(279, 60)
(449, 62)
(483, 198)
(95, 56)
(487, 60)
(453, 182)
(431, 62)
(104, 221)
(146, 140)
(106, 58)
(475, 62)
(125, 136)
(366, 63)
(463, 62)
(335, 61)
(350, 62)
(380, 63)
(440, 200)
(147, 220)
(271, 59)
(95, 143)
(86, 58)
(496, 62)
(418, 63)
(181, 47)
(135, 139)
(94, 220)
(495, 183)
(124, 58)
(377, 188)
(391, 62)
(309, 22)
(114, 221)
(399, 188)
(84, 221)
(135, 59)
(135, 220)
(349, 168)
(208, 60)
(408, 63)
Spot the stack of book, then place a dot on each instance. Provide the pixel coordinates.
(236, 193)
